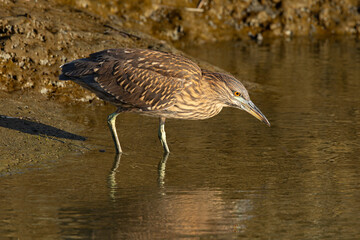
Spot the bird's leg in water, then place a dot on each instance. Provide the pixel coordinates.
(162, 134)
(111, 122)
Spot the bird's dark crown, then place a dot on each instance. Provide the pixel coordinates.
(226, 85)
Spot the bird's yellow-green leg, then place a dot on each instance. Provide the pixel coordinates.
(162, 134)
(111, 122)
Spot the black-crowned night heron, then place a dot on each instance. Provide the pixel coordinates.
(157, 84)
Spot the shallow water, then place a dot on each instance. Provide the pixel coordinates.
(227, 177)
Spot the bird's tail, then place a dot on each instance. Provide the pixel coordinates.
(77, 69)
(83, 72)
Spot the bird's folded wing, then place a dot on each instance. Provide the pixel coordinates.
(144, 79)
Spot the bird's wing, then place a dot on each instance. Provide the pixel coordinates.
(144, 79)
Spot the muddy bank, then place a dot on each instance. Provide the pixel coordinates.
(34, 131)
(37, 37)
(207, 20)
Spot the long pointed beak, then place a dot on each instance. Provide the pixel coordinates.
(250, 107)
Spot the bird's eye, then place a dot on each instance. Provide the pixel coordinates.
(237, 94)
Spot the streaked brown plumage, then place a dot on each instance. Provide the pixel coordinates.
(157, 84)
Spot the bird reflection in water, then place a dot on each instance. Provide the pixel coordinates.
(112, 176)
(161, 170)
(113, 186)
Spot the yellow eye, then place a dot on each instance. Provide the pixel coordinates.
(238, 94)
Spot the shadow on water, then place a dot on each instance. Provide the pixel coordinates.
(36, 128)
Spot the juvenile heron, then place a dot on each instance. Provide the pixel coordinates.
(157, 84)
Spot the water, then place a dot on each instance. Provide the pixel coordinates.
(228, 177)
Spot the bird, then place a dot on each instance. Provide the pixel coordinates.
(158, 84)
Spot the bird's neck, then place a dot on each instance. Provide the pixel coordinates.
(215, 88)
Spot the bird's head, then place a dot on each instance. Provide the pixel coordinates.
(234, 94)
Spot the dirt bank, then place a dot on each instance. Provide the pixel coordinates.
(197, 21)
(37, 37)
(33, 131)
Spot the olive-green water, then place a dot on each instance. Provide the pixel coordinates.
(228, 177)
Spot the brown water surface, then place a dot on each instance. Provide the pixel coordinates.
(227, 177)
